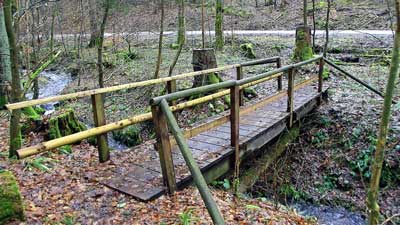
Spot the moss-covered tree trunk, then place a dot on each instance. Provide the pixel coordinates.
(181, 35)
(219, 20)
(377, 165)
(11, 206)
(15, 129)
(5, 65)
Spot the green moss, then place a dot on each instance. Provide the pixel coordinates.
(129, 136)
(31, 113)
(248, 50)
(325, 73)
(11, 206)
(3, 101)
(303, 50)
(64, 124)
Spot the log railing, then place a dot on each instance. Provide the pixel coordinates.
(164, 119)
(97, 96)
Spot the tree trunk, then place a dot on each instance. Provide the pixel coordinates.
(181, 22)
(203, 29)
(328, 11)
(305, 13)
(160, 42)
(94, 31)
(5, 65)
(100, 42)
(181, 35)
(15, 129)
(372, 199)
(219, 19)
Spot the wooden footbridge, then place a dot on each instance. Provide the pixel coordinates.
(204, 152)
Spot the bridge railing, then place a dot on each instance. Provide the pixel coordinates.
(164, 118)
(97, 96)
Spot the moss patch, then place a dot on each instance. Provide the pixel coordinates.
(129, 136)
(248, 50)
(64, 124)
(11, 206)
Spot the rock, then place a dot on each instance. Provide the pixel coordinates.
(11, 206)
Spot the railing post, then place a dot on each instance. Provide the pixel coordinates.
(234, 117)
(279, 65)
(239, 76)
(320, 78)
(290, 93)
(100, 120)
(164, 148)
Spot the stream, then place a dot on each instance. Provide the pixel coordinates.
(54, 83)
(328, 215)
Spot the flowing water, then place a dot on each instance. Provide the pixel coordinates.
(53, 83)
(328, 215)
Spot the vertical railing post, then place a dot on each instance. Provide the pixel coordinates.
(239, 76)
(290, 93)
(164, 148)
(234, 118)
(320, 78)
(279, 65)
(100, 120)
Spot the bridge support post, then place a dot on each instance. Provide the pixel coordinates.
(163, 146)
(320, 79)
(290, 93)
(234, 117)
(279, 65)
(100, 120)
(239, 76)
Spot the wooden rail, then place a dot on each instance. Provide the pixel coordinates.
(166, 117)
(234, 86)
(97, 97)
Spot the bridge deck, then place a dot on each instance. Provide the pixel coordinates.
(141, 176)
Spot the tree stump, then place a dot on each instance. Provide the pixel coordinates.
(204, 59)
(11, 206)
(303, 50)
(64, 124)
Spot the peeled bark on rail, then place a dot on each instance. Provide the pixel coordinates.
(372, 199)
(251, 175)
(11, 205)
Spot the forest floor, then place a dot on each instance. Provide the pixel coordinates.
(67, 189)
(137, 16)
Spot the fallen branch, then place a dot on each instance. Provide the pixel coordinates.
(36, 73)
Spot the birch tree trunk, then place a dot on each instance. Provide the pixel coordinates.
(15, 129)
(372, 199)
(5, 65)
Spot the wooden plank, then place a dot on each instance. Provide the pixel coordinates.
(202, 146)
(137, 189)
(211, 140)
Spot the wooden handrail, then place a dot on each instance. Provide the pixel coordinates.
(102, 129)
(81, 94)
